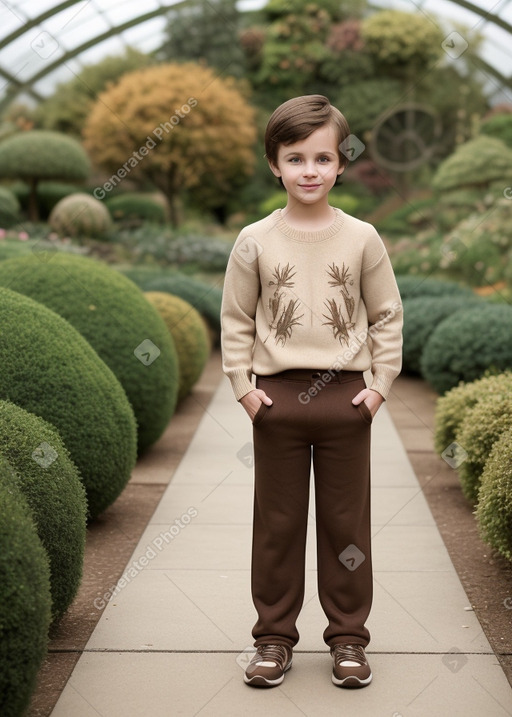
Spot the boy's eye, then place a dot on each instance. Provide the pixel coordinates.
(294, 160)
(324, 159)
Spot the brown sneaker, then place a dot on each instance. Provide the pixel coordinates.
(351, 668)
(267, 667)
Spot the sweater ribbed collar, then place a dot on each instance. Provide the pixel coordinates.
(308, 236)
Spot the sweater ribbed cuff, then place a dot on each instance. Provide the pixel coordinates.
(240, 382)
(382, 383)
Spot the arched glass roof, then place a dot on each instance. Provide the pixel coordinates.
(43, 42)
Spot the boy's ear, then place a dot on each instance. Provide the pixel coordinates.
(341, 170)
(274, 169)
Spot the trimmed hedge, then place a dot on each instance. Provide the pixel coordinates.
(133, 209)
(478, 161)
(481, 428)
(206, 299)
(9, 208)
(47, 195)
(55, 495)
(421, 318)
(189, 333)
(453, 406)
(494, 511)
(113, 315)
(49, 369)
(80, 215)
(25, 602)
(412, 287)
(467, 344)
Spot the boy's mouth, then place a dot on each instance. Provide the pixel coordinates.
(309, 186)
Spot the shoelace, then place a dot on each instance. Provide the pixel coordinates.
(352, 653)
(272, 653)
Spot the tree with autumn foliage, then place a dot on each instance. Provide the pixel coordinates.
(181, 127)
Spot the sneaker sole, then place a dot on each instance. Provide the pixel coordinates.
(259, 681)
(351, 682)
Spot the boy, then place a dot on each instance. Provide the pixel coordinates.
(310, 302)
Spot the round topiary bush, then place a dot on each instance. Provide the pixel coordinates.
(453, 406)
(412, 287)
(25, 602)
(113, 315)
(467, 344)
(478, 250)
(206, 299)
(482, 426)
(494, 511)
(132, 209)
(55, 495)
(49, 369)
(500, 127)
(9, 208)
(39, 155)
(480, 161)
(80, 215)
(421, 318)
(189, 333)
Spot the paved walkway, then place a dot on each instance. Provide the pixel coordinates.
(175, 638)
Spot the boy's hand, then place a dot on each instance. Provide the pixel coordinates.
(373, 399)
(253, 400)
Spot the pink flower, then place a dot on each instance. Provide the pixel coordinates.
(3, 233)
(23, 236)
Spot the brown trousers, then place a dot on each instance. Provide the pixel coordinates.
(312, 418)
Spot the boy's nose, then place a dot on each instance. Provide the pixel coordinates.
(310, 170)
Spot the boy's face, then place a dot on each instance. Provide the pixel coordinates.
(308, 168)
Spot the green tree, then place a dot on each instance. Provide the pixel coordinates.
(67, 109)
(403, 44)
(179, 126)
(205, 31)
(39, 154)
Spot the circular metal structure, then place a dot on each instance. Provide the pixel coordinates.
(405, 137)
(49, 41)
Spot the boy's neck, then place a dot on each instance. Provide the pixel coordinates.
(312, 217)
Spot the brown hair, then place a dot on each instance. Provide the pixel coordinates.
(299, 117)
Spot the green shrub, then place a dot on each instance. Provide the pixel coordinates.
(80, 215)
(478, 250)
(55, 495)
(494, 511)
(453, 406)
(481, 428)
(500, 127)
(467, 344)
(414, 215)
(9, 208)
(39, 155)
(456, 205)
(113, 315)
(49, 369)
(417, 255)
(475, 164)
(189, 333)
(151, 243)
(47, 195)
(206, 299)
(421, 318)
(132, 209)
(25, 602)
(414, 286)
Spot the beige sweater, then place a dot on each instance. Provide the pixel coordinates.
(301, 299)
